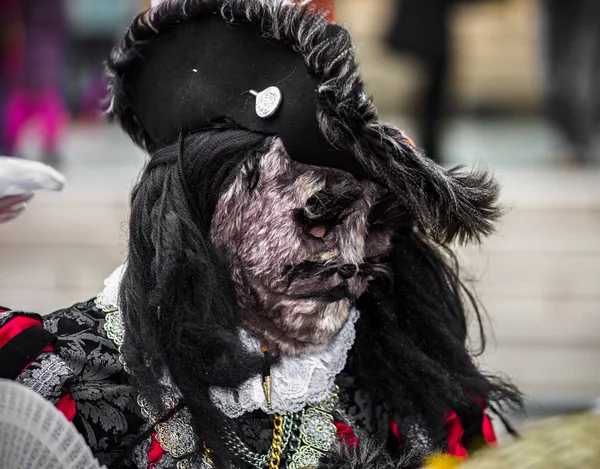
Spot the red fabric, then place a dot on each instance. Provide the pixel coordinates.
(395, 430)
(346, 434)
(155, 453)
(17, 325)
(67, 406)
(488, 431)
(454, 430)
(489, 435)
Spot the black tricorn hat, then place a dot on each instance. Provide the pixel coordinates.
(282, 70)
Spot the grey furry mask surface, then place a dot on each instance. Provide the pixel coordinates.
(298, 244)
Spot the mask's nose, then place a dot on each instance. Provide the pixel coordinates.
(347, 271)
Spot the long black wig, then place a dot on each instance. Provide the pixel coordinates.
(176, 293)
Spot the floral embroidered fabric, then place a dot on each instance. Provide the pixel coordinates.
(85, 364)
(107, 415)
(47, 376)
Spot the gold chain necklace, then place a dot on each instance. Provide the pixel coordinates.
(275, 458)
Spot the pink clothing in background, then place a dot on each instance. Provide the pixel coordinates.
(44, 106)
(33, 65)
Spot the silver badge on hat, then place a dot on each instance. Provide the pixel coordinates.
(268, 101)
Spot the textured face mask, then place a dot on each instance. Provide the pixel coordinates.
(299, 247)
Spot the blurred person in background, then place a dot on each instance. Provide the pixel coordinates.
(34, 73)
(9, 45)
(421, 28)
(93, 29)
(572, 43)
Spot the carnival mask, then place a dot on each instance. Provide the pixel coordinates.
(298, 244)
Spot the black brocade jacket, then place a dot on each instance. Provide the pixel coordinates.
(67, 357)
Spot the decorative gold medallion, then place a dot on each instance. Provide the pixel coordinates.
(317, 434)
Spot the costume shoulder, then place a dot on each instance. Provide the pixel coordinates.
(67, 357)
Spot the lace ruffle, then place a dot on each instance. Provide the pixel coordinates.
(108, 300)
(47, 376)
(296, 380)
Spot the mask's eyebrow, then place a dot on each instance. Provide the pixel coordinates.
(334, 202)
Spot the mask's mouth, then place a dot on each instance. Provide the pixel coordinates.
(331, 296)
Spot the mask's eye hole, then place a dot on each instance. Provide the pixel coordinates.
(313, 228)
(316, 231)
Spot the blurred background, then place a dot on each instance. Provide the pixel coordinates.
(506, 85)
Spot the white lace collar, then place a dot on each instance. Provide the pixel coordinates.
(296, 380)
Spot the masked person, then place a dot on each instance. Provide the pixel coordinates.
(288, 299)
